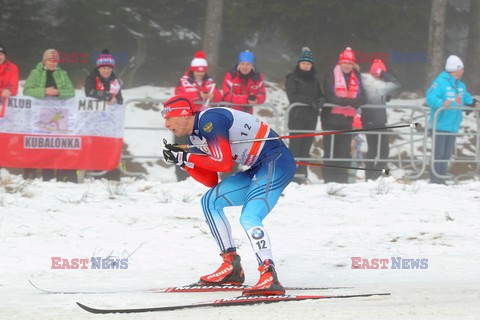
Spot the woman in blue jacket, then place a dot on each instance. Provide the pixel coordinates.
(447, 90)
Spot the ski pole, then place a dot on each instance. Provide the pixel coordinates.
(383, 171)
(324, 133)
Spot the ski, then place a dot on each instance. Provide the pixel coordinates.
(235, 301)
(187, 288)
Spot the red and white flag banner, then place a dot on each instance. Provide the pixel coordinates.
(76, 133)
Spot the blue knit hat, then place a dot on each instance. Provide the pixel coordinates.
(306, 55)
(246, 56)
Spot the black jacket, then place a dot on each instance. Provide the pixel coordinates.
(333, 121)
(304, 87)
(105, 95)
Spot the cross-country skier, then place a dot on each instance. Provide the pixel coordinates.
(257, 189)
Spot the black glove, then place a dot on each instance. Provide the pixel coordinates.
(100, 95)
(173, 147)
(177, 157)
(174, 154)
(252, 97)
(104, 96)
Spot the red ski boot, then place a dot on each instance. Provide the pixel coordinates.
(229, 273)
(268, 285)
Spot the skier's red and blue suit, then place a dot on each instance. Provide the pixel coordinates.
(257, 189)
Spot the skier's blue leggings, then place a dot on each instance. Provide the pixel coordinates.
(257, 190)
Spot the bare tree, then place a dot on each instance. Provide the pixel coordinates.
(136, 61)
(473, 51)
(212, 34)
(436, 39)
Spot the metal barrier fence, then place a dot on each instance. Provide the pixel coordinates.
(409, 151)
(411, 154)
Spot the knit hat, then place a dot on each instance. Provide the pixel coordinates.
(178, 106)
(2, 49)
(199, 62)
(51, 54)
(377, 67)
(306, 55)
(246, 56)
(454, 63)
(347, 56)
(105, 59)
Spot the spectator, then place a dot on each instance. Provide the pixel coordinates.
(379, 85)
(303, 87)
(103, 84)
(447, 90)
(343, 88)
(48, 80)
(8, 75)
(8, 78)
(243, 84)
(197, 85)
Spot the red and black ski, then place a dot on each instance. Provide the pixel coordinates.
(235, 301)
(188, 288)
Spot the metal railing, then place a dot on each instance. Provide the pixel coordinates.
(408, 151)
(415, 162)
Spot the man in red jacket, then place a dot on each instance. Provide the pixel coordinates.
(8, 75)
(243, 84)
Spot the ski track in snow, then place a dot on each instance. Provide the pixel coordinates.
(315, 230)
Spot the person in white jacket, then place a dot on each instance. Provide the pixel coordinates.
(379, 85)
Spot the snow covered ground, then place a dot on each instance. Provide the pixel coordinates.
(315, 230)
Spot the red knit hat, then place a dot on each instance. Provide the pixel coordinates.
(347, 56)
(199, 62)
(377, 67)
(178, 106)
